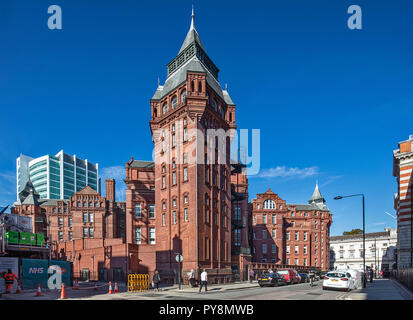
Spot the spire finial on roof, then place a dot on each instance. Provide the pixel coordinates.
(159, 81)
(226, 86)
(317, 197)
(192, 19)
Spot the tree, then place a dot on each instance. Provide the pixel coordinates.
(354, 231)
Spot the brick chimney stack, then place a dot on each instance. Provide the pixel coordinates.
(406, 146)
(110, 189)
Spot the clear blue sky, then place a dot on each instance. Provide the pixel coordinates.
(331, 103)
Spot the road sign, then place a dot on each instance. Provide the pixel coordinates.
(179, 258)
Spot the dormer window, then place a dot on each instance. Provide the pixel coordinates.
(269, 204)
(165, 108)
(174, 102)
(183, 96)
(215, 105)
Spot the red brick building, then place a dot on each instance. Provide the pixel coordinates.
(240, 223)
(86, 214)
(192, 188)
(291, 234)
(86, 229)
(190, 201)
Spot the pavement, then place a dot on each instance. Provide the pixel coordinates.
(380, 289)
(86, 290)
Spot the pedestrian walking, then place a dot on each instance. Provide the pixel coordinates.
(156, 280)
(191, 275)
(252, 273)
(204, 281)
(311, 276)
(9, 277)
(371, 274)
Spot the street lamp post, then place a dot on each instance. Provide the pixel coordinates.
(375, 258)
(364, 229)
(179, 259)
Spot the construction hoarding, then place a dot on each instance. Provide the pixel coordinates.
(38, 271)
(20, 223)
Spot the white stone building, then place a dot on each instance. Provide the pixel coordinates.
(347, 251)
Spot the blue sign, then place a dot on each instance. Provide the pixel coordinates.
(37, 271)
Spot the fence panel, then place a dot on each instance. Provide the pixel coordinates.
(404, 276)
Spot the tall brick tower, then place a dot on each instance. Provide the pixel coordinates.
(193, 198)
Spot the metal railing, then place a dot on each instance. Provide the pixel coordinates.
(99, 276)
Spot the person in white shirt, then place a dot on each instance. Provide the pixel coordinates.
(204, 280)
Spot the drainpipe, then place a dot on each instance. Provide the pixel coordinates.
(196, 197)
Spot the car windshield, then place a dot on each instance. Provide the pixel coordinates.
(336, 275)
(282, 272)
(268, 275)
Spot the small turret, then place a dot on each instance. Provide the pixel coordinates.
(317, 198)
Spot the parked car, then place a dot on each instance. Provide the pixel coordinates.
(290, 275)
(304, 277)
(271, 279)
(322, 275)
(356, 277)
(337, 280)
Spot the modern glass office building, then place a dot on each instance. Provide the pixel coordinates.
(57, 177)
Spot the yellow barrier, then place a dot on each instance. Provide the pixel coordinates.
(138, 282)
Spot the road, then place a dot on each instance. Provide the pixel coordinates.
(292, 292)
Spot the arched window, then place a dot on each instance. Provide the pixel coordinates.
(174, 102)
(269, 204)
(230, 117)
(192, 86)
(155, 112)
(183, 96)
(199, 86)
(165, 108)
(206, 208)
(215, 104)
(223, 112)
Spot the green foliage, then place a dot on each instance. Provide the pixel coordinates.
(354, 231)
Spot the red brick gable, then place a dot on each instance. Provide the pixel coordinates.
(86, 190)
